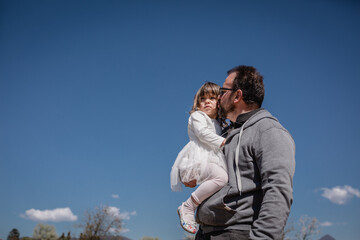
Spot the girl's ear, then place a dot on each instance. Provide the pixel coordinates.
(238, 95)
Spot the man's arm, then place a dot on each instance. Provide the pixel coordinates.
(275, 158)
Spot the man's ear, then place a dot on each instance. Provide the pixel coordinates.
(238, 96)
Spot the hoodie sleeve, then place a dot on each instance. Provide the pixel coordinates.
(275, 153)
(205, 134)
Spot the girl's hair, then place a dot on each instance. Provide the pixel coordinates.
(209, 88)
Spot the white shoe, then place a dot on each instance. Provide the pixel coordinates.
(189, 226)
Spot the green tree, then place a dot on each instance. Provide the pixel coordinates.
(44, 232)
(62, 237)
(149, 238)
(81, 236)
(14, 234)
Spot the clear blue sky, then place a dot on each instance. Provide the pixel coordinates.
(94, 98)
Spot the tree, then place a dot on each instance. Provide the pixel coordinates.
(308, 228)
(81, 236)
(44, 232)
(189, 237)
(62, 237)
(149, 238)
(104, 221)
(289, 228)
(14, 234)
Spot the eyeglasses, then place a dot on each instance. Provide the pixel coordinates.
(223, 90)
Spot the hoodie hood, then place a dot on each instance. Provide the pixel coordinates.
(261, 114)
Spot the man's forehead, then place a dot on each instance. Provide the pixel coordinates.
(229, 80)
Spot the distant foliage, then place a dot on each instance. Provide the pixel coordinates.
(14, 234)
(45, 232)
(149, 238)
(62, 237)
(189, 237)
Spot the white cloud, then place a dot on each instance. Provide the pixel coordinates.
(353, 191)
(116, 196)
(115, 212)
(326, 224)
(55, 215)
(126, 215)
(340, 195)
(121, 230)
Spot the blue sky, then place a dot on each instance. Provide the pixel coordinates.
(94, 98)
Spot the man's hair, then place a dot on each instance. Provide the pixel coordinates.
(250, 81)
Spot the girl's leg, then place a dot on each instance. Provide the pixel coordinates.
(217, 178)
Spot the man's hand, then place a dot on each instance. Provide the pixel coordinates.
(190, 184)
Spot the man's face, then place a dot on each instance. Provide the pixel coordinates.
(227, 99)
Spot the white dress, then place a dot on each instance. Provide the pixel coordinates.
(203, 148)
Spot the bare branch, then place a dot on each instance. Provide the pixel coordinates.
(101, 222)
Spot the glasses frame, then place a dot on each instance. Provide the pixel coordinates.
(222, 90)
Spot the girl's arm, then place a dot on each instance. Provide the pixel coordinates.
(201, 130)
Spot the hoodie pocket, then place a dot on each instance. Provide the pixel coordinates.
(214, 211)
(229, 205)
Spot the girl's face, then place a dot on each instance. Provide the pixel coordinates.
(208, 105)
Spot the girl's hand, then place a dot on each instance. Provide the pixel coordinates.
(190, 184)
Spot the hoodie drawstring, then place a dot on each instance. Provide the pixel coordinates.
(237, 169)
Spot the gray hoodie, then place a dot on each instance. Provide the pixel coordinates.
(258, 196)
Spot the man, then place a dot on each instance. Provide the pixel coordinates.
(260, 156)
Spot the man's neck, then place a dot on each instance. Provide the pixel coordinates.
(244, 109)
(242, 118)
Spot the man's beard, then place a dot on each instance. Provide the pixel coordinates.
(225, 110)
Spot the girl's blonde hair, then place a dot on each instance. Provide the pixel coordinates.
(208, 89)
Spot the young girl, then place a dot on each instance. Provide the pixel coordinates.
(201, 159)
